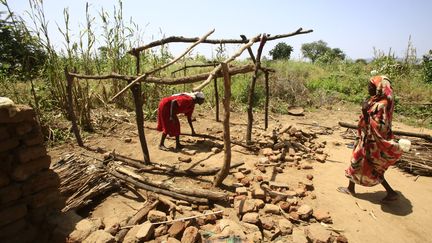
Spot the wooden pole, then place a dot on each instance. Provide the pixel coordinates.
(267, 92)
(71, 113)
(216, 93)
(223, 173)
(139, 115)
(395, 132)
(252, 91)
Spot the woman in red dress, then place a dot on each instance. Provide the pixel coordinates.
(376, 149)
(169, 107)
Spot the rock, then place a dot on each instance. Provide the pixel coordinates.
(160, 230)
(341, 239)
(271, 208)
(246, 171)
(259, 203)
(262, 169)
(245, 181)
(216, 150)
(271, 234)
(321, 157)
(259, 178)
(84, 228)
(155, 216)
(300, 192)
(267, 151)
(278, 169)
(274, 184)
(100, 236)
(241, 191)
(313, 196)
(203, 208)
(211, 218)
(317, 233)
(238, 175)
(184, 159)
(172, 240)
(298, 236)
(308, 185)
(285, 206)
(258, 193)
(245, 206)
(304, 211)
(274, 158)
(294, 215)
(306, 167)
(285, 226)
(249, 228)
(263, 160)
(322, 216)
(128, 140)
(251, 218)
(309, 177)
(191, 235)
(290, 194)
(231, 228)
(267, 223)
(189, 151)
(176, 229)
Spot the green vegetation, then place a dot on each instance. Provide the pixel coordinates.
(34, 73)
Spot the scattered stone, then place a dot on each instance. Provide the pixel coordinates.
(274, 158)
(245, 182)
(202, 208)
(241, 191)
(145, 231)
(251, 218)
(278, 169)
(245, 206)
(285, 226)
(322, 216)
(274, 184)
(184, 159)
(294, 215)
(191, 235)
(262, 169)
(189, 151)
(155, 216)
(249, 228)
(298, 236)
(300, 192)
(216, 150)
(321, 158)
(271, 208)
(258, 193)
(230, 228)
(271, 234)
(313, 196)
(100, 236)
(84, 228)
(341, 239)
(267, 151)
(128, 140)
(176, 229)
(305, 211)
(161, 230)
(285, 206)
(238, 175)
(306, 167)
(259, 178)
(259, 203)
(263, 160)
(172, 240)
(267, 223)
(309, 177)
(290, 194)
(317, 233)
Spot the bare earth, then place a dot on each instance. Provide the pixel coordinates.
(363, 219)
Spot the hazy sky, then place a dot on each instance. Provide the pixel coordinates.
(356, 27)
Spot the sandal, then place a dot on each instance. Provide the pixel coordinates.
(344, 190)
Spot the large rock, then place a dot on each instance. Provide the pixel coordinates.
(304, 211)
(298, 236)
(245, 206)
(145, 231)
(155, 216)
(230, 228)
(258, 193)
(84, 228)
(322, 216)
(191, 235)
(271, 234)
(252, 218)
(176, 229)
(100, 236)
(316, 233)
(285, 226)
(271, 209)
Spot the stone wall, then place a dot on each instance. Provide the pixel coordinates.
(28, 188)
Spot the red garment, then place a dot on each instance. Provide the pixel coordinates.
(185, 104)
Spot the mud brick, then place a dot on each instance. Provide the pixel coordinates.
(30, 153)
(4, 179)
(28, 234)
(43, 198)
(4, 134)
(24, 113)
(10, 193)
(12, 228)
(38, 215)
(11, 214)
(34, 138)
(9, 144)
(23, 171)
(40, 181)
(24, 128)
(6, 162)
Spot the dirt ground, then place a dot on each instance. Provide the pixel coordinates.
(363, 218)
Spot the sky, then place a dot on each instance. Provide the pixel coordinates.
(356, 27)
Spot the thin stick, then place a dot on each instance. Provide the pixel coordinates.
(186, 218)
(143, 77)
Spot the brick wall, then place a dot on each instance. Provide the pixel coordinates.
(28, 188)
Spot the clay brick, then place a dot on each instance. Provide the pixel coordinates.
(4, 179)
(10, 193)
(28, 234)
(25, 113)
(43, 198)
(6, 162)
(34, 138)
(4, 134)
(23, 171)
(30, 153)
(24, 128)
(11, 214)
(12, 228)
(9, 144)
(40, 181)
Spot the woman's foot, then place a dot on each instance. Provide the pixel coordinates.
(391, 196)
(163, 148)
(179, 147)
(346, 190)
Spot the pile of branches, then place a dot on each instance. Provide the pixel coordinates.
(418, 160)
(82, 180)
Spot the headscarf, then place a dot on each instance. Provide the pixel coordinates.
(193, 95)
(383, 96)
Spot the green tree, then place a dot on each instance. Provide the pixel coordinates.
(281, 51)
(427, 67)
(314, 50)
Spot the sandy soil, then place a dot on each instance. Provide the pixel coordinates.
(363, 218)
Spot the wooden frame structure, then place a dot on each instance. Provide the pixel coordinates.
(220, 70)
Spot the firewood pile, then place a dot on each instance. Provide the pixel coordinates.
(289, 144)
(418, 160)
(82, 179)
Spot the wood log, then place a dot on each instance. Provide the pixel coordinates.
(216, 94)
(136, 219)
(191, 199)
(223, 173)
(396, 132)
(266, 106)
(194, 66)
(158, 168)
(197, 192)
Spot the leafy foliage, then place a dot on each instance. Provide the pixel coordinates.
(319, 50)
(427, 67)
(281, 51)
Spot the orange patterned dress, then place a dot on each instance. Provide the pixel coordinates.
(376, 149)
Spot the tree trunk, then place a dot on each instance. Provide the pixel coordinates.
(71, 113)
(223, 173)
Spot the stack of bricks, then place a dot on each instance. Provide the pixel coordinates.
(28, 188)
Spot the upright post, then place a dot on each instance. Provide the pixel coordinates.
(267, 92)
(216, 98)
(71, 112)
